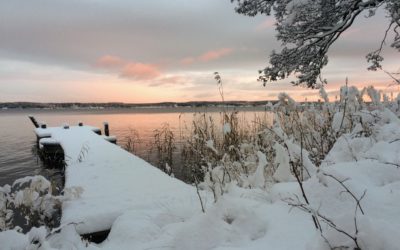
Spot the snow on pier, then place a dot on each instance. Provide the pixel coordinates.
(103, 181)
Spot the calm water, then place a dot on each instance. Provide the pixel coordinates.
(18, 141)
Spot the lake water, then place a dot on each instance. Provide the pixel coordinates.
(18, 141)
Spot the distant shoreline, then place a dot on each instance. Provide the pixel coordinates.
(113, 110)
(108, 105)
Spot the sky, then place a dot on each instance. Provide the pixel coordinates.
(141, 51)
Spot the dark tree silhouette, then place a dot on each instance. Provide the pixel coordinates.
(307, 28)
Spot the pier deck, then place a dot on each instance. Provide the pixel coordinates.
(103, 181)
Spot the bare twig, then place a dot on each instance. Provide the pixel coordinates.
(198, 194)
(296, 174)
(341, 182)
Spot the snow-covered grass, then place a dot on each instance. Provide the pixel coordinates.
(321, 177)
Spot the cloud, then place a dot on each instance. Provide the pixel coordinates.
(140, 71)
(129, 69)
(188, 60)
(215, 54)
(207, 56)
(169, 80)
(108, 61)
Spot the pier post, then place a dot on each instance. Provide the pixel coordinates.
(43, 125)
(33, 120)
(106, 129)
(80, 124)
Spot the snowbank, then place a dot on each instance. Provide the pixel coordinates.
(368, 167)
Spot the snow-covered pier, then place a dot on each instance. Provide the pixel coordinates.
(103, 181)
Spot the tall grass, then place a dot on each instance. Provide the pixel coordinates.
(164, 146)
(132, 141)
(213, 151)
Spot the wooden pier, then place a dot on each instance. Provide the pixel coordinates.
(49, 149)
(104, 181)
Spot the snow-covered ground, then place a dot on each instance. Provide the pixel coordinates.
(263, 219)
(353, 200)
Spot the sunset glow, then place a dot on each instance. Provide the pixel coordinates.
(142, 52)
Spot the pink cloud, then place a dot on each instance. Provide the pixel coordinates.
(140, 71)
(188, 60)
(215, 54)
(128, 69)
(109, 61)
(207, 56)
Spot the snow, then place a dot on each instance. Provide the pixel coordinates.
(323, 94)
(210, 145)
(48, 132)
(37, 183)
(263, 218)
(257, 179)
(227, 128)
(48, 141)
(282, 161)
(110, 138)
(12, 239)
(356, 187)
(111, 181)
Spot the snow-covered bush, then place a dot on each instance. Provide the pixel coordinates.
(290, 139)
(32, 198)
(224, 151)
(6, 212)
(294, 146)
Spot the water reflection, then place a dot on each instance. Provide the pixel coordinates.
(17, 139)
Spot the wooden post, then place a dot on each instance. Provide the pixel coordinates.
(106, 129)
(80, 124)
(33, 120)
(66, 126)
(43, 125)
